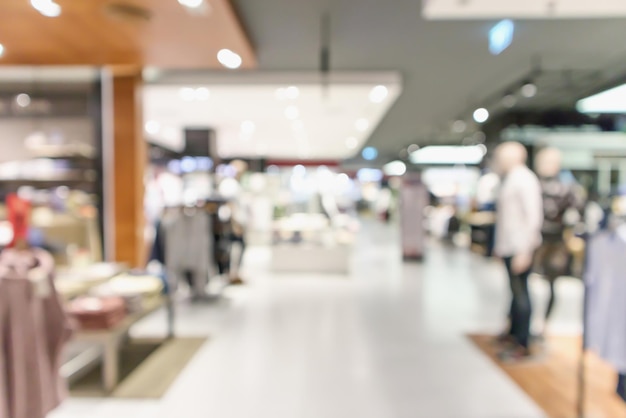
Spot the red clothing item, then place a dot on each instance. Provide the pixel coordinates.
(19, 217)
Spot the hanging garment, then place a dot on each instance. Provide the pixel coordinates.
(605, 281)
(188, 248)
(33, 331)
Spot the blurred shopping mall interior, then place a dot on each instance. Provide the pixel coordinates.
(386, 209)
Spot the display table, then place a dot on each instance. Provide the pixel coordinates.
(294, 258)
(310, 243)
(111, 340)
(103, 345)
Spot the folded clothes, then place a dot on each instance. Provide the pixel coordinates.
(98, 313)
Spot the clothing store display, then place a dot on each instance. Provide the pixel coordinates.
(184, 245)
(605, 284)
(98, 313)
(519, 216)
(33, 329)
(413, 199)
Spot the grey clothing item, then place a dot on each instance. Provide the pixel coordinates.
(189, 248)
(605, 317)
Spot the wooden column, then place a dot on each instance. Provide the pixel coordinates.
(129, 163)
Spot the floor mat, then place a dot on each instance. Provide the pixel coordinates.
(147, 369)
(552, 381)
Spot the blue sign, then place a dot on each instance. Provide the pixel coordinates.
(501, 36)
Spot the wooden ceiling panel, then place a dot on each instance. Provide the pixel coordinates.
(95, 32)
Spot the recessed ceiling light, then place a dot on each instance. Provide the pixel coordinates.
(22, 100)
(459, 126)
(362, 125)
(352, 143)
(379, 94)
(292, 112)
(47, 8)
(153, 127)
(412, 148)
(1, 50)
(509, 100)
(229, 59)
(529, 90)
(481, 115)
(292, 92)
(202, 93)
(248, 127)
(194, 4)
(187, 93)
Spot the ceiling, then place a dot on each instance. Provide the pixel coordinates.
(548, 9)
(446, 65)
(280, 116)
(122, 32)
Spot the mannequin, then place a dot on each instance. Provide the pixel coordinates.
(519, 220)
(553, 259)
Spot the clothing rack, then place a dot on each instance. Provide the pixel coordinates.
(582, 364)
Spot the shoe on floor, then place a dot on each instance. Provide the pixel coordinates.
(236, 282)
(515, 355)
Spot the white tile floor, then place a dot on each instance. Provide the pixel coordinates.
(388, 342)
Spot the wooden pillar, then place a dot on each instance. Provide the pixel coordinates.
(129, 164)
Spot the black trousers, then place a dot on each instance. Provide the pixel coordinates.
(521, 307)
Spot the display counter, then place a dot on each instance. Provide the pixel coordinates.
(101, 331)
(306, 243)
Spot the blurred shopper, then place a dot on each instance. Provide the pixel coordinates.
(239, 223)
(553, 258)
(518, 234)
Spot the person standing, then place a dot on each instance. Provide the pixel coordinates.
(519, 221)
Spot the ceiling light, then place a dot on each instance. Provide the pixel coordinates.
(292, 92)
(459, 126)
(481, 115)
(609, 101)
(362, 124)
(229, 59)
(47, 8)
(187, 94)
(153, 127)
(509, 101)
(369, 153)
(248, 127)
(1, 50)
(412, 148)
(22, 100)
(379, 94)
(202, 94)
(194, 4)
(352, 143)
(292, 112)
(395, 168)
(529, 90)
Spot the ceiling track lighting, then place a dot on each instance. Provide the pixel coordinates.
(1, 50)
(528, 89)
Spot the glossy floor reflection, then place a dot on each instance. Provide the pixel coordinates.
(387, 342)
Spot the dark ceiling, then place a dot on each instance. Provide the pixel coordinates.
(446, 66)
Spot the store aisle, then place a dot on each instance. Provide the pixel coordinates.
(387, 343)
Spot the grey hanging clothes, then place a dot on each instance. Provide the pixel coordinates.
(189, 248)
(605, 282)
